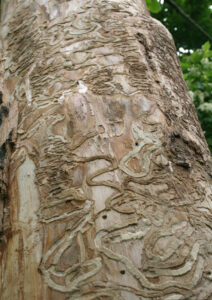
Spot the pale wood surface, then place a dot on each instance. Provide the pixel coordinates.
(105, 172)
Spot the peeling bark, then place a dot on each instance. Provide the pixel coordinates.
(105, 174)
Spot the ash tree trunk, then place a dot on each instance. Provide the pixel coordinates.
(105, 173)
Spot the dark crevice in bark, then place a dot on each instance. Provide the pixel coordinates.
(0, 97)
(142, 40)
(4, 110)
(5, 153)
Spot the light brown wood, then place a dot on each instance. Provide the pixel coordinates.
(105, 172)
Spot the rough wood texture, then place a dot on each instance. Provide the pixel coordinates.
(108, 194)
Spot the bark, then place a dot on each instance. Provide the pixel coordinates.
(105, 172)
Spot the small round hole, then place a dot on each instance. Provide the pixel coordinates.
(104, 217)
(136, 143)
(122, 272)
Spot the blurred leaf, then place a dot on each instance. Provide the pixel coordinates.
(153, 6)
(208, 53)
(206, 46)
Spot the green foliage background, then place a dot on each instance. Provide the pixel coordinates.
(197, 70)
(184, 33)
(197, 63)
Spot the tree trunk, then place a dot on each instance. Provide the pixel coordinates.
(105, 172)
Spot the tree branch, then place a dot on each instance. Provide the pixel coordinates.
(188, 18)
